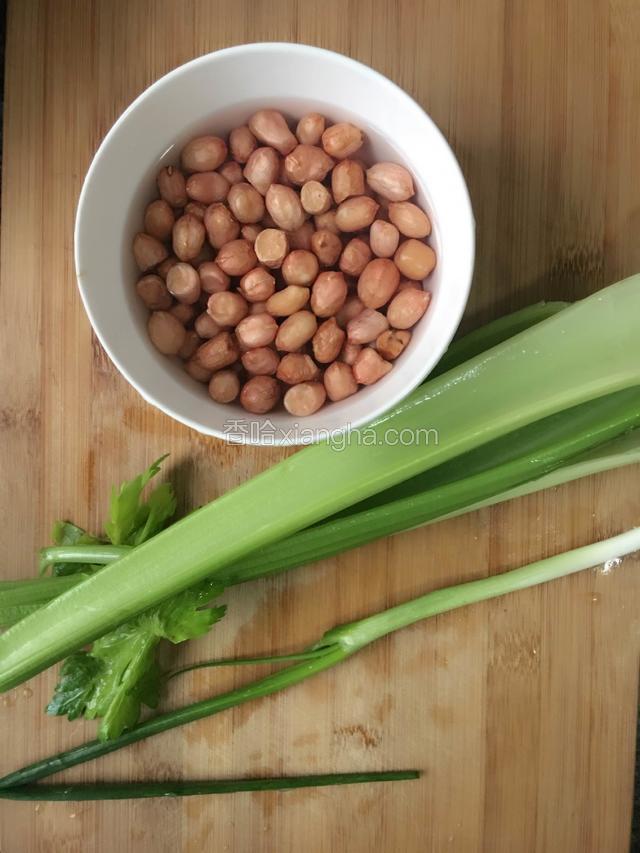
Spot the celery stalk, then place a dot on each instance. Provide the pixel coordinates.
(517, 382)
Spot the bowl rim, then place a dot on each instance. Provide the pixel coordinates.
(467, 225)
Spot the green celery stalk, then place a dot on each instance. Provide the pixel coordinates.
(512, 385)
(340, 643)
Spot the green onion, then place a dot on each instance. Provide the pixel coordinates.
(340, 643)
(512, 385)
(144, 790)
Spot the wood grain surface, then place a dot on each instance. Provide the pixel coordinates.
(521, 712)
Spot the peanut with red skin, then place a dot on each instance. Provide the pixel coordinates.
(355, 256)
(296, 331)
(304, 399)
(270, 127)
(188, 237)
(378, 282)
(172, 186)
(227, 308)
(328, 294)
(300, 267)
(232, 172)
(350, 352)
(315, 198)
(327, 247)
(257, 285)
(167, 334)
(351, 308)
(383, 238)
(369, 367)
(356, 213)
(203, 154)
(310, 129)
(158, 219)
(283, 204)
(407, 307)
(207, 187)
(221, 225)
(246, 203)
(339, 381)
(148, 252)
(224, 386)
(163, 268)
(153, 292)
(256, 330)
(307, 163)
(212, 278)
(236, 258)
(327, 341)
(206, 326)
(261, 361)
(286, 302)
(262, 169)
(326, 221)
(295, 367)
(415, 259)
(347, 179)
(260, 394)
(366, 327)
(221, 351)
(342, 140)
(183, 282)
(242, 143)
(392, 343)
(391, 181)
(409, 219)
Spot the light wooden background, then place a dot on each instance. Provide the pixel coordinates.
(520, 713)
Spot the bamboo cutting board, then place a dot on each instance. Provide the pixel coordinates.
(521, 712)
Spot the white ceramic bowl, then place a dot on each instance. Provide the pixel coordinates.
(213, 94)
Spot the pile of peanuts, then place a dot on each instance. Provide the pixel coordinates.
(277, 265)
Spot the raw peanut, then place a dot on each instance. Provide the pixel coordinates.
(315, 197)
(250, 232)
(271, 247)
(183, 282)
(236, 257)
(328, 294)
(342, 140)
(217, 353)
(270, 127)
(301, 237)
(260, 394)
(347, 179)
(326, 222)
(261, 361)
(286, 302)
(195, 208)
(166, 332)
(296, 367)
(351, 308)
(257, 285)
(191, 343)
(242, 143)
(383, 238)
(172, 186)
(148, 252)
(415, 259)
(326, 247)
(283, 178)
(366, 326)
(356, 213)
(227, 308)
(256, 330)
(183, 313)
(378, 282)
(224, 386)
(355, 256)
(207, 187)
(296, 331)
(212, 279)
(153, 292)
(284, 207)
(165, 266)
(221, 225)
(206, 326)
(350, 352)
(196, 371)
(409, 219)
(246, 203)
(407, 308)
(391, 343)
(369, 367)
(257, 307)
(158, 219)
(203, 154)
(188, 237)
(305, 399)
(231, 171)
(300, 267)
(407, 284)
(310, 129)
(307, 163)
(327, 341)
(391, 181)
(262, 169)
(339, 382)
